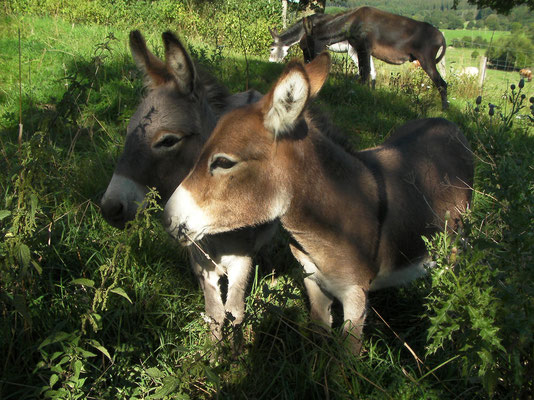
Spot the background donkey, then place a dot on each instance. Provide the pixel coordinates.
(389, 37)
(296, 33)
(356, 220)
(163, 141)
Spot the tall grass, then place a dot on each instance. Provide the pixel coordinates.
(87, 311)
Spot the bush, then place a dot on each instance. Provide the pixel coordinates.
(514, 52)
(240, 25)
(481, 297)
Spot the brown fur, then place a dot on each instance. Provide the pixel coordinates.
(389, 37)
(354, 218)
(526, 73)
(163, 141)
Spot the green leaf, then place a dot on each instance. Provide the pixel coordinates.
(4, 214)
(53, 380)
(20, 305)
(83, 281)
(121, 292)
(54, 338)
(155, 373)
(85, 353)
(77, 369)
(24, 254)
(37, 267)
(212, 377)
(101, 348)
(169, 385)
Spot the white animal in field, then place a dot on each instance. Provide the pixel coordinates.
(469, 72)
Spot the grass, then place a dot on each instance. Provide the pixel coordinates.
(67, 331)
(451, 34)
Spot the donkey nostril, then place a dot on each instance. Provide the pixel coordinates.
(167, 220)
(113, 210)
(116, 210)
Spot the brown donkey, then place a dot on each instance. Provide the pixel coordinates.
(356, 220)
(389, 37)
(164, 138)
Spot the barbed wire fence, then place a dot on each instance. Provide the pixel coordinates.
(465, 61)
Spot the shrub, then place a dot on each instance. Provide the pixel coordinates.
(481, 297)
(514, 52)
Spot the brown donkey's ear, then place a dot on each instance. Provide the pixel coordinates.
(317, 71)
(153, 68)
(285, 102)
(179, 64)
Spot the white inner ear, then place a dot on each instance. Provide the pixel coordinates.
(289, 99)
(179, 65)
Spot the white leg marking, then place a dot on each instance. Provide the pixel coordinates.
(239, 268)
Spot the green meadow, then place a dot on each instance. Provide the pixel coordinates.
(91, 312)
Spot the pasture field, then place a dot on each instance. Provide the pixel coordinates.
(451, 34)
(91, 312)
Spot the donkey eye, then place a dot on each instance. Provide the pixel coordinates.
(222, 162)
(167, 141)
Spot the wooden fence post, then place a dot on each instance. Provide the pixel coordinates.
(482, 69)
(284, 14)
(442, 67)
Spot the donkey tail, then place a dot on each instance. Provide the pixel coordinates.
(443, 46)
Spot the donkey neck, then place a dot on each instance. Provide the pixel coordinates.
(338, 29)
(335, 201)
(292, 35)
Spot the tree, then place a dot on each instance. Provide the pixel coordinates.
(454, 22)
(500, 6)
(512, 53)
(308, 7)
(492, 22)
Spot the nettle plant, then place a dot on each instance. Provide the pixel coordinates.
(69, 357)
(479, 305)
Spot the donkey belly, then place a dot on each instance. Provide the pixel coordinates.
(390, 54)
(400, 276)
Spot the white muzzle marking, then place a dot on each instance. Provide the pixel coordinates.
(278, 54)
(124, 189)
(186, 221)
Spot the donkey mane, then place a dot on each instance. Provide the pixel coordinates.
(318, 121)
(216, 94)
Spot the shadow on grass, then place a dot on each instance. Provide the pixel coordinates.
(84, 126)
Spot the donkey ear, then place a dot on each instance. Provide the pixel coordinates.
(317, 71)
(153, 68)
(274, 33)
(286, 100)
(179, 64)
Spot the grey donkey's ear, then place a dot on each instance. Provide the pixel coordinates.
(154, 69)
(179, 64)
(274, 33)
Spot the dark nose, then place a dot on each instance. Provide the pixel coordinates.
(166, 221)
(114, 211)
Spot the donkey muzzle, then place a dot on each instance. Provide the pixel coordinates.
(178, 231)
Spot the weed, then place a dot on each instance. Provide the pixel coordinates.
(87, 311)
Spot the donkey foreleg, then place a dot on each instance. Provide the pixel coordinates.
(354, 56)
(239, 268)
(354, 301)
(364, 64)
(320, 302)
(209, 277)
